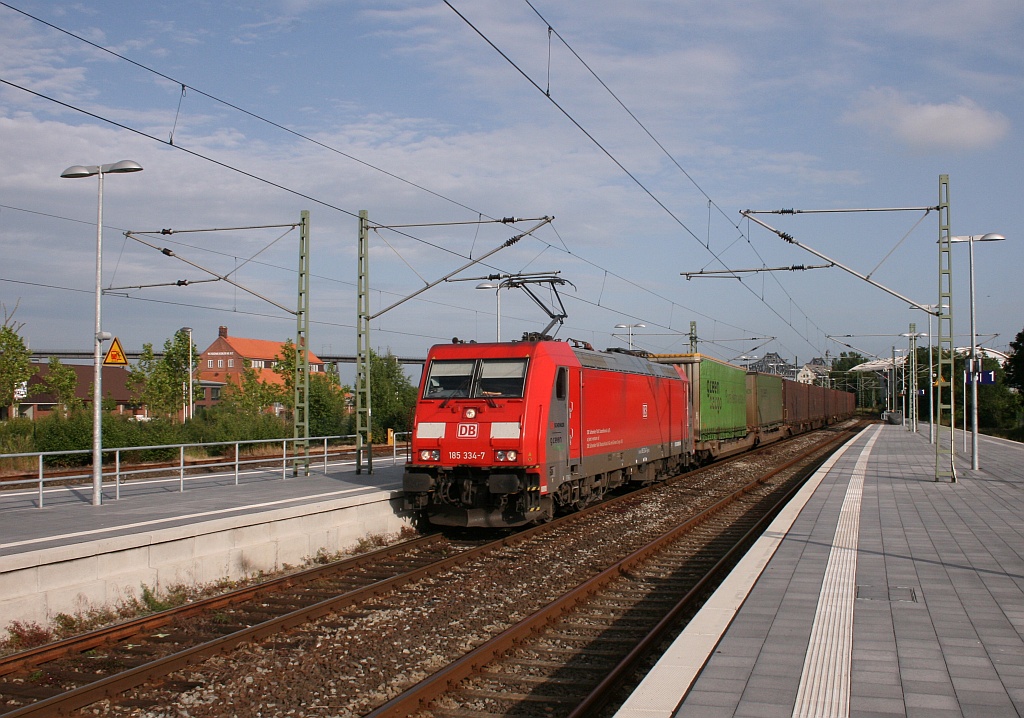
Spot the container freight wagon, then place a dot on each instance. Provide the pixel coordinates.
(839, 405)
(765, 413)
(809, 406)
(507, 434)
(719, 392)
(804, 408)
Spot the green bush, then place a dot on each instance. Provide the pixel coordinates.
(15, 434)
(74, 433)
(159, 432)
(56, 433)
(219, 425)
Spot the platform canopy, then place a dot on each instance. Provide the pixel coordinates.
(886, 364)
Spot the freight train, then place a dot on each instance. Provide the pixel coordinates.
(511, 433)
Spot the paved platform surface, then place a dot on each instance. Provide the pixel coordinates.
(889, 595)
(68, 516)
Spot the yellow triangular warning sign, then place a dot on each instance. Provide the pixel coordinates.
(115, 355)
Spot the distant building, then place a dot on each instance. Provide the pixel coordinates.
(115, 389)
(772, 363)
(814, 372)
(224, 361)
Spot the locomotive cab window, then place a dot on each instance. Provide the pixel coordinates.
(449, 379)
(501, 378)
(481, 378)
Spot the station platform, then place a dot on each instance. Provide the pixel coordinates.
(71, 556)
(877, 592)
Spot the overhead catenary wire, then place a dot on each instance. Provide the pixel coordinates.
(170, 239)
(301, 194)
(617, 162)
(185, 87)
(672, 159)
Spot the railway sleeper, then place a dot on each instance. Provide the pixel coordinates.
(485, 680)
(504, 698)
(624, 617)
(29, 690)
(587, 636)
(574, 654)
(65, 675)
(561, 665)
(620, 610)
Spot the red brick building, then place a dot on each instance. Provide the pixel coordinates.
(224, 360)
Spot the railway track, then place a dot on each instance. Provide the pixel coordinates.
(77, 671)
(570, 657)
(350, 637)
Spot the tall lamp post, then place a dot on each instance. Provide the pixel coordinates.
(75, 172)
(191, 403)
(975, 363)
(929, 308)
(630, 327)
(497, 293)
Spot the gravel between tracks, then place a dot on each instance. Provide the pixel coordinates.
(349, 663)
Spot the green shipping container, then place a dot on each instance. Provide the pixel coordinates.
(719, 399)
(719, 395)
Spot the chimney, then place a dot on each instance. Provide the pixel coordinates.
(222, 332)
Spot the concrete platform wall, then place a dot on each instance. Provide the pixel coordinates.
(38, 585)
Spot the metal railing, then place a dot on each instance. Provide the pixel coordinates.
(320, 450)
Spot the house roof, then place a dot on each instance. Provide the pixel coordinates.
(261, 349)
(114, 380)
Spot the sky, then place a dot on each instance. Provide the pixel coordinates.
(643, 128)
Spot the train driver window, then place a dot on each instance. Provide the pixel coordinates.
(501, 378)
(562, 383)
(449, 379)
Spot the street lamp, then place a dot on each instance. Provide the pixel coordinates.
(913, 403)
(630, 327)
(75, 172)
(975, 363)
(497, 293)
(191, 404)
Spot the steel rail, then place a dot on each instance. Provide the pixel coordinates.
(134, 677)
(600, 696)
(121, 682)
(419, 696)
(108, 635)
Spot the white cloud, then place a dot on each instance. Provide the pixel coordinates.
(923, 126)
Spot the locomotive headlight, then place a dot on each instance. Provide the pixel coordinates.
(509, 455)
(430, 455)
(470, 413)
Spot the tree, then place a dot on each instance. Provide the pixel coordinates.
(15, 366)
(160, 383)
(62, 382)
(328, 409)
(392, 395)
(251, 396)
(1015, 363)
(847, 360)
(284, 367)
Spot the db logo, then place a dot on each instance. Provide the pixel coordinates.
(468, 431)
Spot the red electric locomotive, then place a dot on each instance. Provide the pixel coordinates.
(507, 434)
